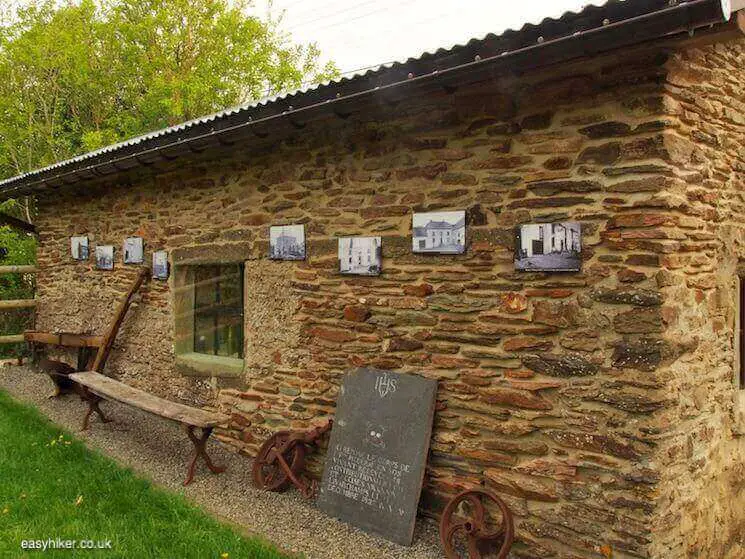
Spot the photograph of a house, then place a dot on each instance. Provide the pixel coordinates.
(439, 232)
(79, 248)
(105, 257)
(360, 256)
(287, 242)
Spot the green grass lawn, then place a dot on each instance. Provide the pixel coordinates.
(52, 486)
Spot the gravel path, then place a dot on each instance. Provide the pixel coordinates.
(157, 449)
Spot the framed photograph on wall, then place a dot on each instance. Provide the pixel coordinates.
(549, 247)
(105, 257)
(79, 248)
(160, 265)
(133, 250)
(287, 242)
(360, 256)
(439, 232)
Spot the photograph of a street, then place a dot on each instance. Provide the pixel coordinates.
(549, 247)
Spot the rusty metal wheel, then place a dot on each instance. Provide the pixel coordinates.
(267, 471)
(466, 532)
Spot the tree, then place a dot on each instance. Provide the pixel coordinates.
(78, 76)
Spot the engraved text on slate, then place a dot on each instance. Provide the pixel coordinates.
(378, 450)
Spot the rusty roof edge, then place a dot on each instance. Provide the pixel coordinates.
(699, 13)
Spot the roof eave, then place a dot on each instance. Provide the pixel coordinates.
(342, 96)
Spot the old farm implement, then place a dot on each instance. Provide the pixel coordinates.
(281, 460)
(466, 529)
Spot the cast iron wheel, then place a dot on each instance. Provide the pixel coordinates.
(270, 475)
(463, 526)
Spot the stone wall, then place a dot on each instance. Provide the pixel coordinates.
(552, 387)
(701, 453)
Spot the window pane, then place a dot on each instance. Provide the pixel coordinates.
(230, 286)
(218, 310)
(205, 281)
(204, 334)
(230, 336)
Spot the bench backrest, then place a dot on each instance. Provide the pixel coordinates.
(121, 311)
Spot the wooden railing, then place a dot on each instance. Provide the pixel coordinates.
(12, 339)
(15, 304)
(18, 269)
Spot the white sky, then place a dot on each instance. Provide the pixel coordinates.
(360, 33)
(363, 33)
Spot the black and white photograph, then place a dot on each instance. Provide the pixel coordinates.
(160, 265)
(105, 257)
(439, 232)
(549, 247)
(133, 250)
(287, 242)
(79, 248)
(360, 256)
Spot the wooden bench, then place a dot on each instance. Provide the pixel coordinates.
(100, 387)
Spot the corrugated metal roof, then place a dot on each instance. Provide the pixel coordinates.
(591, 17)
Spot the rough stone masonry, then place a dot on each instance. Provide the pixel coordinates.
(601, 405)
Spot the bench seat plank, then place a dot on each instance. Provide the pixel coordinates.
(111, 389)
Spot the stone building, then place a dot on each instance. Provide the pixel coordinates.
(287, 245)
(437, 235)
(359, 255)
(606, 406)
(545, 238)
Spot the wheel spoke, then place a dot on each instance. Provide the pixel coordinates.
(495, 535)
(269, 477)
(478, 511)
(473, 547)
(449, 539)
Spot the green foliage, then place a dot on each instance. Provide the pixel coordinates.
(80, 75)
(21, 249)
(54, 486)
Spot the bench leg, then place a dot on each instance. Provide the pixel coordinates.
(84, 359)
(93, 406)
(200, 449)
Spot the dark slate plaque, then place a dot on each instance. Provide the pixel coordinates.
(377, 452)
